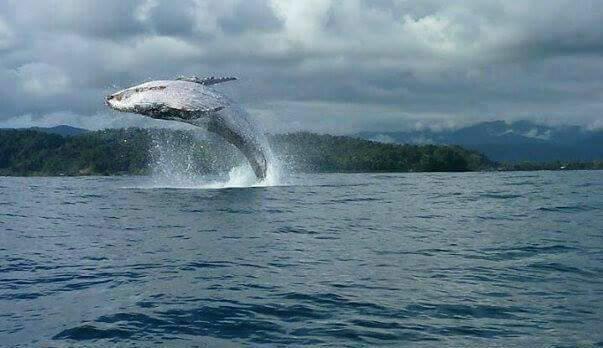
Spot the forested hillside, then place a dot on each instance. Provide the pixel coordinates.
(132, 151)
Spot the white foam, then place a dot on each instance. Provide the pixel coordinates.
(239, 177)
(174, 167)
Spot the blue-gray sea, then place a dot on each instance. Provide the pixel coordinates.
(346, 260)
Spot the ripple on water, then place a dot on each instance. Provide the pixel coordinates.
(514, 253)
(567, 208)
(473, 259)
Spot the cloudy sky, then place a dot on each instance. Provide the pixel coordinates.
(323, 65)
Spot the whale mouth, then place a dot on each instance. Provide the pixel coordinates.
(112, 100)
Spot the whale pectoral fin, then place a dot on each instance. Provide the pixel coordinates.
(251, 150)
(176, 114)
(207, 81)
(193, 114)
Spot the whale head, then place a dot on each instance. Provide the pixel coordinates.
(177, 100)
(139, 99)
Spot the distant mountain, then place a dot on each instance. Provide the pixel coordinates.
(62, 130)
(513, 142)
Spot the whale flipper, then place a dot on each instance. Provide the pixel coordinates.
(205, 112)
(250, 148)
(170, 113)
(207, 81)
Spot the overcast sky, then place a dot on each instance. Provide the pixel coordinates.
(323, 65)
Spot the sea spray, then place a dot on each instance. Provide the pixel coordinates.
(198, 159)
(172, 159)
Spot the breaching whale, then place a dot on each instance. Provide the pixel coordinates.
(192, 100)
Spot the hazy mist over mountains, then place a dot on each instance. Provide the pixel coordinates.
(515, 141)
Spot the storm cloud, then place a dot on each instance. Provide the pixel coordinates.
(322, 65)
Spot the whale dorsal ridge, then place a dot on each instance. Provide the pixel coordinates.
(206, 81)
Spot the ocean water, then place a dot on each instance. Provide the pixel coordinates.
(347, 260)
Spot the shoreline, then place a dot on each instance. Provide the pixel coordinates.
(310, 173)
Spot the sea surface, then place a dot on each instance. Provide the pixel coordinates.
(337, 260)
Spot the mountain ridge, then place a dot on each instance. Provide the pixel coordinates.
(63, 130)
(513, 142)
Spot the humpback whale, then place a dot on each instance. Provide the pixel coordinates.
(192, 100)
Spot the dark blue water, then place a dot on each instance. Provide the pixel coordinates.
(426, 260)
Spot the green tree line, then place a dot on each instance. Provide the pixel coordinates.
(133, 151)
(308, 152)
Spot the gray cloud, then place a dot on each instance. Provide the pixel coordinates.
(325, 65)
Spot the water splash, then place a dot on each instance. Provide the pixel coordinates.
(198, 160)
